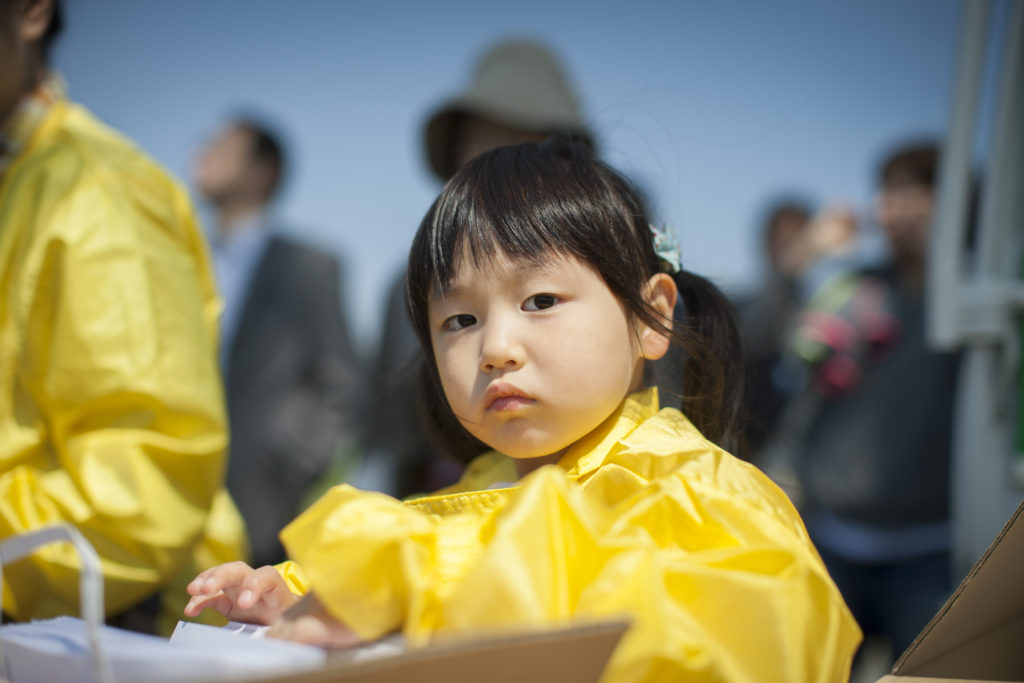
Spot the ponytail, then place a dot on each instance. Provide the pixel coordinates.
(712, 367)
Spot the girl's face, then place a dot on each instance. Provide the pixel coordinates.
(534, 357)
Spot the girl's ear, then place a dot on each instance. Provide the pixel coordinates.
(660, 297)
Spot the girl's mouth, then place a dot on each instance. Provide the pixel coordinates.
(504, 403)
(502, 397)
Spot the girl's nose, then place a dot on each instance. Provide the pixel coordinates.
(499, 347)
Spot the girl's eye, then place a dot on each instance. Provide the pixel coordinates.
(538, 302)
(458, 322)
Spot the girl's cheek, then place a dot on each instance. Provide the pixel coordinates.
(452, 384)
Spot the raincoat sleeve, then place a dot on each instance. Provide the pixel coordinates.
(294, 577)
(719, 585)
(123, 431)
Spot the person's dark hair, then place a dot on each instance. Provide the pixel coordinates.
(782, 208)
(267, 149)
(530, 201)
(918, 163)
(911, 164)
(53, 31)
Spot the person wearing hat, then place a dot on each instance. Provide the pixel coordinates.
(518, 93)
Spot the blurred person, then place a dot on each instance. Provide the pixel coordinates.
(519, 93)
(111, 409)
(286, 355)
(768, 316)
(874, 448)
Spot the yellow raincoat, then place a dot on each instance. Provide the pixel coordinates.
(643, 517)
(111, 410)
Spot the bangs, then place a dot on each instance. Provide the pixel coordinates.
(524, 210)
(479, 232)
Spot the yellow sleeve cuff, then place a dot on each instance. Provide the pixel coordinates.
(294, 577)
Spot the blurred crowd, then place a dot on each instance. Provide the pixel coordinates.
(145, 361)
(850, 411)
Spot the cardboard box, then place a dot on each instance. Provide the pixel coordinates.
(575, 654)
(978, 635)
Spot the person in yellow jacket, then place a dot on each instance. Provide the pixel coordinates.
(539, 291)
(111, 411)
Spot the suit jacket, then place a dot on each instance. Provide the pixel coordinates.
(289, 386)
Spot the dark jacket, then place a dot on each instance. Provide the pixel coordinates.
(289, 388)
(879, 452)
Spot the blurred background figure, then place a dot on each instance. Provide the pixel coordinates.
(518, 93)
(286, 356)
(768, 316)
(111, 411)
(873, 438)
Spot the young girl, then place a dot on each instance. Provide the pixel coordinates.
(539, 295)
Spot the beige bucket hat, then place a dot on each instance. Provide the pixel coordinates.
(517, 83)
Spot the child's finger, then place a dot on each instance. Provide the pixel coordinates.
(219, 602)
(215, 579)
(262, 583)
(194, 586)
(194, 606)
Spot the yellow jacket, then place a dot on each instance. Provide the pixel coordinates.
(111, 410)
(644, 517)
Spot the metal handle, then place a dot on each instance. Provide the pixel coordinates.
(90, 586)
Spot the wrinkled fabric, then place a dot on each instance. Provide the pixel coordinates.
(111, 410)
(643, 517)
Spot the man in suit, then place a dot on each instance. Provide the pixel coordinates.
(286, 356)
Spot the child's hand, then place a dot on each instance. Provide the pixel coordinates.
(240, 593)
(308, 622)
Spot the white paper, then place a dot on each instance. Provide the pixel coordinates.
(191, 632)
(57, 650)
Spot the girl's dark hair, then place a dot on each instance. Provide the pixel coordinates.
(534, 200)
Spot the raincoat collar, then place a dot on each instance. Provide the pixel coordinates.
(27, 117)
(587, 454)
(492, 469)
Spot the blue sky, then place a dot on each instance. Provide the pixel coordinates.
(713, 107)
